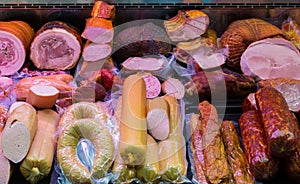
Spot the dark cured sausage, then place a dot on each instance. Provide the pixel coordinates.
(262, 165)
(279, 124)
(235, 155)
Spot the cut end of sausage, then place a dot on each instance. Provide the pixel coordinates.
(17, 104)
(158, 124)
(173, 87)
(15, 142)
(4, 169)
(42, 96)
(94, 51)
(153, 86)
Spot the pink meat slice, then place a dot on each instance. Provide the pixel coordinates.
(153, 86)
(271, 58)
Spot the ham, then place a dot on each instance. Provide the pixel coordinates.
(98, 30)
(56, 46)
(103, 10)
(186, 25)
(289, 88)
(15, 38)
(271, 58)
(143, 63)
(200, 52)
(96, 51)
(137, 39)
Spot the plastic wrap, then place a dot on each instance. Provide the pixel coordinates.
(87, 144)
(292, 31)
(173, 149)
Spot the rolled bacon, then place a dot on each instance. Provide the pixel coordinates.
(15, 39)
(56, 46)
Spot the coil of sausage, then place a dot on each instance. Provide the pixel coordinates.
(279, 124)
(235, 155)
(262, 165)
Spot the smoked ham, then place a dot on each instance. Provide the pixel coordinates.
(138, 38)
(289, 88)
(271, 58)
(15, 38)
(186, 25)
(56, 46)
(241, 33)
(98, 30)
(200, 51)
(103, 10)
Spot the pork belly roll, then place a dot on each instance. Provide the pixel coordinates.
(15, 38)
(56, 46)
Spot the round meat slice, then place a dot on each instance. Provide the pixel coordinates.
(15, 38)
(56, 46)
(153, 87)
(173, 87)
(271, 58)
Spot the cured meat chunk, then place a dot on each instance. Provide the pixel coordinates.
(98, 30)
(143, 63)
(279, 123)
(103, 10)
(291, 31)
(212, 82)
(262, 165)
(235, 155)
(200, 52)
(15, 38)
(289, 88)
(56, 46)
(138, 39)
(186, 25)
(271, 58)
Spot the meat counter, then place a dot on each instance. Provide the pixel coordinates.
(221, 14)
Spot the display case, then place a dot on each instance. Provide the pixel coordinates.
(221, 13)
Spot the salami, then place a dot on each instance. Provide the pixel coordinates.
(279, 124)
(262, 165)
(197, 149)
(153, 87)
(235, 155)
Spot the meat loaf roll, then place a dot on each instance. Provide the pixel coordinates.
(56, 46)
(279, 123)
(262, 165)
(15, 39)
(216, 166)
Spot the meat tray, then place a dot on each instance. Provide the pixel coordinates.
(220, 12)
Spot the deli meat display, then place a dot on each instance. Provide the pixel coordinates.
(147, 91)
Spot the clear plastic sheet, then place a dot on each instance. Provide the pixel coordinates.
(92, 153)
(171, 69)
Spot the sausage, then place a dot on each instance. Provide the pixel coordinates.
(262, 165)
(235, 155)
(249, 103)
(153, 87)
(292, 163)
(216, 169)
(279, 124)
(197, 149)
